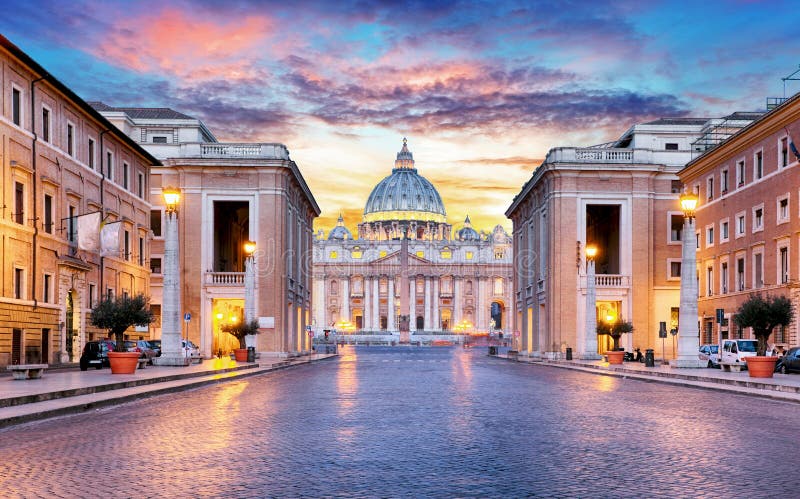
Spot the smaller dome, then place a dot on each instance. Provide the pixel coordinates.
(339, 232)
(467, 233)
(499, 235)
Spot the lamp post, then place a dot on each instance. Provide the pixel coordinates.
(249, 283)
(590, 337)
(688, 332)
(171, 351)
(219, 334)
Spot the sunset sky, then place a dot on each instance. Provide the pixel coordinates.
(482, 90)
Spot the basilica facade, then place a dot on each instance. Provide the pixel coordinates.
(407, 269)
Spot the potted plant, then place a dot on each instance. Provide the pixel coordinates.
(116, 315)
(240, 329)
(763, 314)
(615, 329)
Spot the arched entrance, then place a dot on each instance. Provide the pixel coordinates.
(420, 323)
(497, 314)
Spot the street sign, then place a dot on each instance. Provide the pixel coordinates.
(720, 315)
(310, 333)
(662, 329)
(187, 317)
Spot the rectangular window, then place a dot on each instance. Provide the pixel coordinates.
(784, 259)
(784, 152)
(127, 246)
(19, 283)
(155, 265)
(758, 270)
(676, 228)
(783, 210)
(709, 281)
(740, 224)
(140, 185)
(724, 278)
(45, 124)
(125, 175)
(109, 293)
(723, 184)
(46, 288)
(710, 187)
(723, 231)
(674, 269)
(92, 295)
(333, 255)
(759, 165)
(109, 166)
(155, 222)
(740, 274)
(758, 219)
(19, 203)
(70, 139)
(671, 146)
(16, 106)
(469, 255)
(740, 173)
(72, 224)
(90, 161)
(710, 236)
(159, 140)
(48, 213)
(141, 251)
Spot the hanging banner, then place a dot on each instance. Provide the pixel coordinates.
(109, 239)
(89, 231)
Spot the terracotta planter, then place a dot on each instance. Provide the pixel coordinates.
(761, 367)
(240, 354)
(123, 362)
(615, 356)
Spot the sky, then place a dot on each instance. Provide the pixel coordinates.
(482, 90)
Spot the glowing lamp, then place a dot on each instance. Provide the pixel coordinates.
(591, 252)
(171, 198)
(688, 204)
(249, 247)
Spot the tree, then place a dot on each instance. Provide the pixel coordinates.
(614, 329)
(241, 329)
(763, 314)
(118, 314)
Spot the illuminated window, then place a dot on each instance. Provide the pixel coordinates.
(334, 255)
(356, 253)
(446, 254)
(498, 254)
(421, 254)
(382, 253)
(469, 255)
(498, 286)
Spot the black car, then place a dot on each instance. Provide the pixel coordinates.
(95, 354)
(790, 362)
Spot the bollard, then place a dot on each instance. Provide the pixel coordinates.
(251, 354)
(649, 358)
(569, 353)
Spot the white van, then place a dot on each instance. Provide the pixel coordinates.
(733, 352)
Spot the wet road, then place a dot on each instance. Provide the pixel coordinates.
(415, 422)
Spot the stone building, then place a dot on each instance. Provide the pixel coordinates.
(622, 198)
(231, 193)
(61, 160)
(449, 282)
(748, 221)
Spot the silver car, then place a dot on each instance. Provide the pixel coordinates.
(191, 350)
(710, 354)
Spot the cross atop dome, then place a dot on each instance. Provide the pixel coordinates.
(405, 160)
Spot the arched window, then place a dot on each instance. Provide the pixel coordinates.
(334, 287)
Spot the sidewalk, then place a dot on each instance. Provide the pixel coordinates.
(782, 387)
(71, 391)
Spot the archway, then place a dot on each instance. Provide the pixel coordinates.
(497, 314)
(420, 323)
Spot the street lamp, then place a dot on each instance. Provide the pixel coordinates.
(688, 332)
(249, 282)
(590, 337)
(171, 349)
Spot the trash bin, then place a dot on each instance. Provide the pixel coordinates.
(649, 358)
(492, 350)
(569, 353)
(251, 354)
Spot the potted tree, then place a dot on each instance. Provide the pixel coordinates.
(615, 329)
(240, 329)
(763, 314)
(116, 315)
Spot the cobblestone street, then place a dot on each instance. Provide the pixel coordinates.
(415, 422)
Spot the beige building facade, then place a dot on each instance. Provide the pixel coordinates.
(62, 160)
(231, 193)
(748, 222)
(621, 198)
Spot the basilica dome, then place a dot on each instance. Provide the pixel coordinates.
(404, 195)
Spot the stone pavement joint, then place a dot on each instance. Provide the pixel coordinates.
(785, 387)
(75, 391)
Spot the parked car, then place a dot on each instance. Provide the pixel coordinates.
(191, 350)
(790, 362)
(95, 354)
(156, 346)
(147, 350)
(733, 352)
(710, 354)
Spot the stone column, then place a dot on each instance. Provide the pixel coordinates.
(345, 308)
(376, 304)
(427, 314)
(366, 319)
(590, 339)
(412, 304)
(688, 332)
(171, 350)
(480, 304)
(390, 316)
(437, 325)
(456, 317)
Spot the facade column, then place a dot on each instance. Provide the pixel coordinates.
(390, 315)
(366, 314)
(437, 323)
(455, 318)
(412, 304)
(376, 304)
(427, 315)
(688, 332)
(590, 339)
(171, 350)
(345, 306)
(480, 305)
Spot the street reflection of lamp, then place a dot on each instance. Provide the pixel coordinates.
(171, 349)
(590, 336)
(688, 332)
